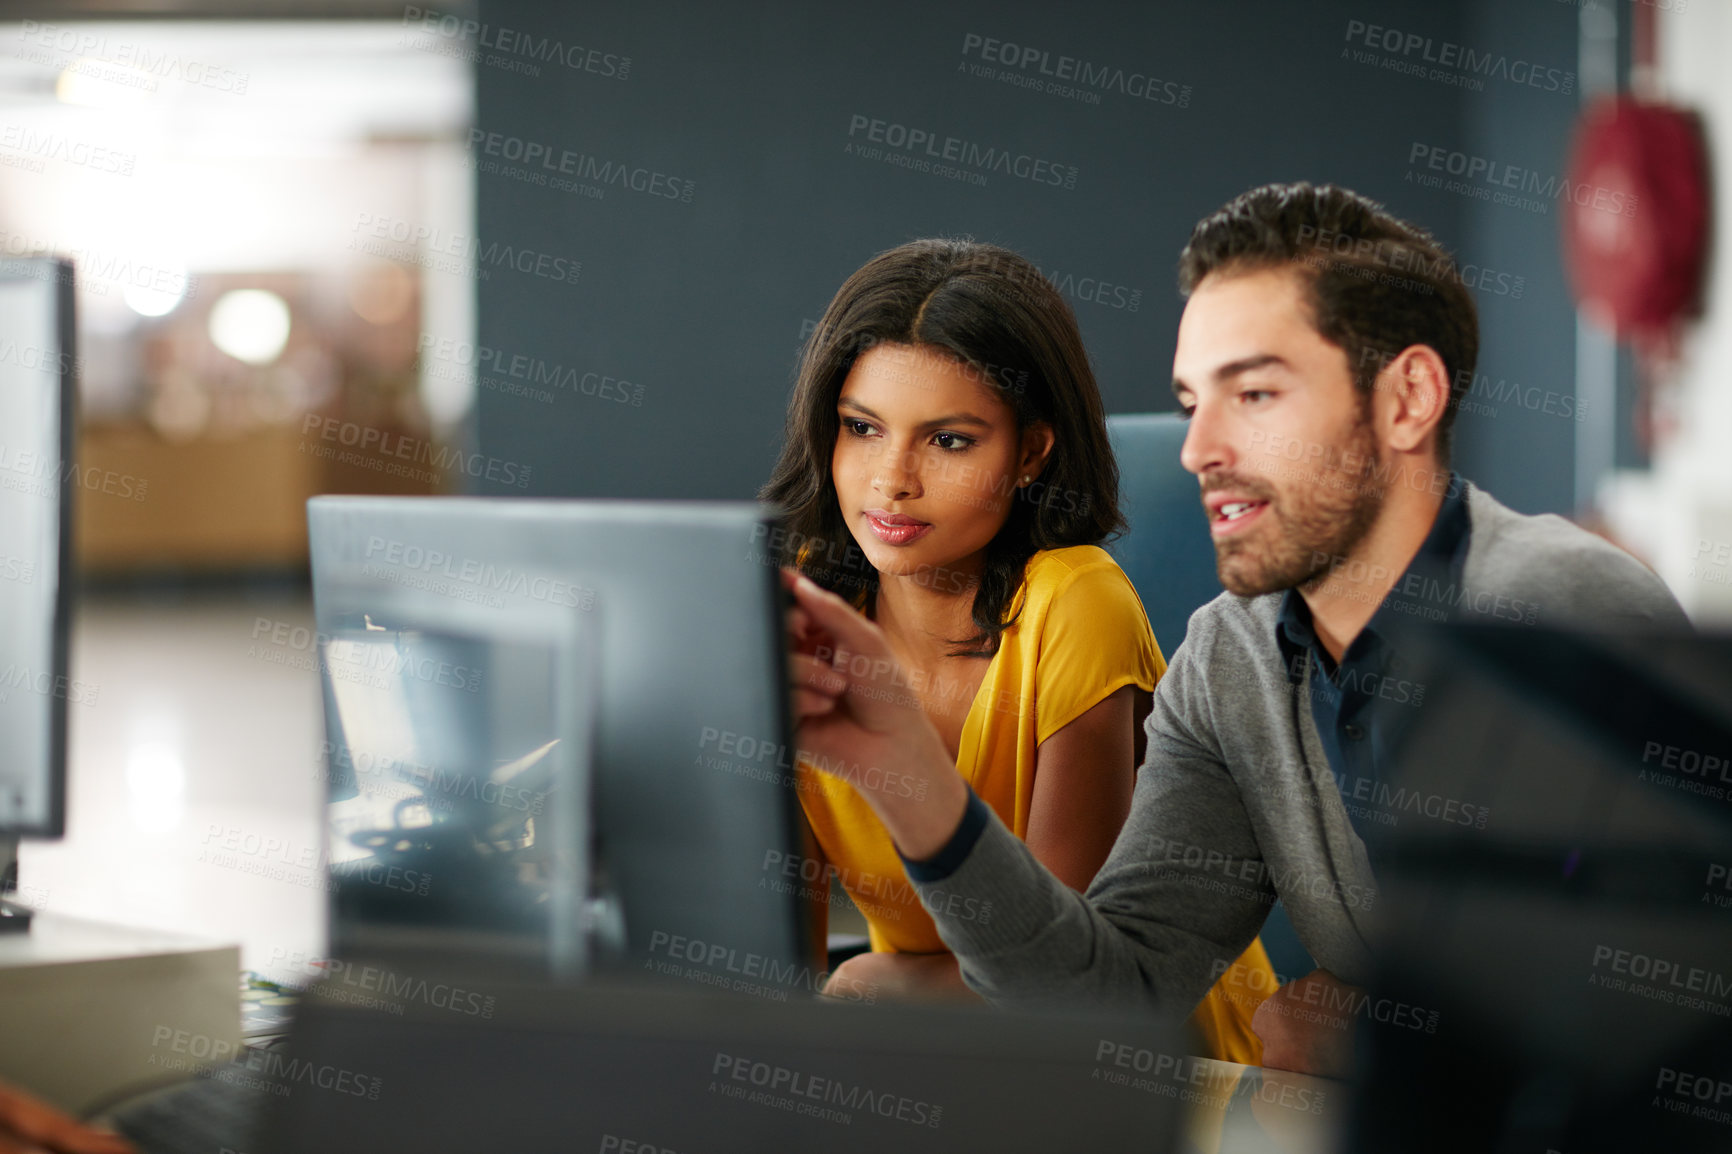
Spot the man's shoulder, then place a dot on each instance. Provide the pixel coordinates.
(1233, 634)
(1230, 615)
(1556, 565)
(1518, 540)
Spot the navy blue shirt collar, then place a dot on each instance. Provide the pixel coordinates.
(1356, 704)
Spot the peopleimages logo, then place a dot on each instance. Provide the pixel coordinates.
(1327, 243)
(798, 1091)
(41, 475)
(303, 864)
(17, 677)
(1088, 77)
(383, 443)
(19, 569)
(1457, 64)
(549, 165)
(1701, 1096)
(380, 775)
(531, 370)
(54, 146)
(927, 146)
(218, 1058)
(745, 972)
(1662, 980)
(484, 575)
(442, 251)
(351, 660)
(98, 271)
(515, 42)
(378, 987)
(1193, 1081)
(1483, 178)
(145, 63)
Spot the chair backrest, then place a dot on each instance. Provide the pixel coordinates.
(1167, 554)
(1169, 558)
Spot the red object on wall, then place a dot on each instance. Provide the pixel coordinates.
(1637, 216)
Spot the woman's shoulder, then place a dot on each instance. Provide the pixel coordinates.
(1086, 629)
(1083, 586)
(1051, 569)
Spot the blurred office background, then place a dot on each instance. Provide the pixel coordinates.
(512, 248)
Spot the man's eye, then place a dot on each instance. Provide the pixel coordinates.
(1186, 412)
(1254, 395)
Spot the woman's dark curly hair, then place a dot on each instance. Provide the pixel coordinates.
(992, 312)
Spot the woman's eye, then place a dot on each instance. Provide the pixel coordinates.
(856, 427)
(952, 441)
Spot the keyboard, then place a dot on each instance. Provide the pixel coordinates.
(217, 1114)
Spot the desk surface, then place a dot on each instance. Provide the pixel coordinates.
(56, 939)
(1236, 1109)
(90, 1009)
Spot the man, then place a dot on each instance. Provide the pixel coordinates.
(1321, 357)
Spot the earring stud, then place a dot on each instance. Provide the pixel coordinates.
(1026, 478)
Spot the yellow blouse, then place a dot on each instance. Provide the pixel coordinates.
(1079, 634)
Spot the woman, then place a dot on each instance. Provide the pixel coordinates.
(947, 468)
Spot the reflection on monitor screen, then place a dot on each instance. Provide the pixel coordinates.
(459, 833)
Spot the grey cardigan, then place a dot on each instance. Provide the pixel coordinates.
(1235, 802)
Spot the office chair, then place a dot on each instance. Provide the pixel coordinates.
(1168, 556)
(1167, 553)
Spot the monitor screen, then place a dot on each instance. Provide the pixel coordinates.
(36, 467)
(694, 785)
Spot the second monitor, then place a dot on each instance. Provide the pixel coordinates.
(694, 789)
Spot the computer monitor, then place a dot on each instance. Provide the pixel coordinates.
(37, 395)
(695, 804)
(631, 1069)
(462, 737)
(1556, 942)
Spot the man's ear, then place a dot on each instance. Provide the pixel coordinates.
(1410, 398)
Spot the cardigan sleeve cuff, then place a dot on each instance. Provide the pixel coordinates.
(955, 851)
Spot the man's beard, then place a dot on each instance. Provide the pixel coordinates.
(1313, 527)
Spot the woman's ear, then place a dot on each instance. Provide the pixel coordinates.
(1037, 442)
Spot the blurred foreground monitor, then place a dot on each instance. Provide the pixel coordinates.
(1574, 954)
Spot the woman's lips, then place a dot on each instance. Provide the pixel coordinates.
(896, 529)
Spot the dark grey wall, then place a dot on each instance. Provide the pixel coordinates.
(703, 304)
(1523, 448)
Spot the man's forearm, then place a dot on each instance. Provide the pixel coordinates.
(924, 824)
(1146, 932)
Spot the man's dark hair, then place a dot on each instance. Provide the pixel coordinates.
(1377, 284)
